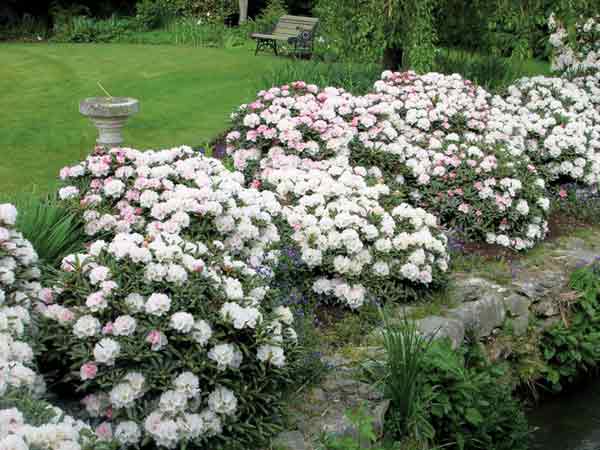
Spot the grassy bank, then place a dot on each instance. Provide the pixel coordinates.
(186, 96)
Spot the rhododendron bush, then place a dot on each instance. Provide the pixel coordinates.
(437, 141)
(356, 250)
(167, 323)
(557, 125)
(429, 136)
(26, 422)
(577, 53)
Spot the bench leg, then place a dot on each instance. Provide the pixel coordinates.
(262, 43)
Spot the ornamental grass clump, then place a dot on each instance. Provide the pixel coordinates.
(166, 325)
(26, 421)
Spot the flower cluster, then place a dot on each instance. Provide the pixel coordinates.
(444, 159)
(582, 53)
(300, 118)
(434, 103)
(438, 141)
(167, 319)
(57, 431)
(355, 248)
(19, 285)
(20, 384)
(556, 123)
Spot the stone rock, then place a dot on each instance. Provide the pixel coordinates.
(379, 413)
(289, 440)
(442, 327)
(517, 305)
(546, 308)
(473, 288)
(317, 395)
(520, 324)
(481, 316)
(338, 384)
(372, 352)
(339, 425)
(369, 392)
(548, 323)
(537, 285)
(335, 361)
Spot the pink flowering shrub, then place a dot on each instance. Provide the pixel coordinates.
(301, 119)
(434, 103)
(166, 323)
(443, 162)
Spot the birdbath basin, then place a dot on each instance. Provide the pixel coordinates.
(109, 115)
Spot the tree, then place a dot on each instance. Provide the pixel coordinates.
(243, 11)
(410, 33)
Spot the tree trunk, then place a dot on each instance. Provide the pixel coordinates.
(243, 11)
(392, 58)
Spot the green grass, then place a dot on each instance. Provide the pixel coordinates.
(186, 95)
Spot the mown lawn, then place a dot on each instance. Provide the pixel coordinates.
(186, 96)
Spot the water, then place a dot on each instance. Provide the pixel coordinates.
(569, 421)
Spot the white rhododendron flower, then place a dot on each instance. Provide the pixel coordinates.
(178, 274)
(19, 292)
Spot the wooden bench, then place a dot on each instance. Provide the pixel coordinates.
(296, 30)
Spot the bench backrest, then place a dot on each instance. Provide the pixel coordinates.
(291, 26)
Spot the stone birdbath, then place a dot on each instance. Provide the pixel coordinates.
(109, 115)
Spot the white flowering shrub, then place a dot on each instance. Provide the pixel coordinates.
(556, 123)
(578, 53)
(32, 424)
(438, 141)
(475, 187)
(19, 286)
(355, 249)
(166, 323)
(26, 421)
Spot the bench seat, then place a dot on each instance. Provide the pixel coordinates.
(296, 30)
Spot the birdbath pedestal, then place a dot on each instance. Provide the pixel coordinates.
(109, 115)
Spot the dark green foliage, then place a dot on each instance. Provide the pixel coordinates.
(576, 201)
(403, 383)
(153, 14)
(35, 412)
(29, 28)
(470, 401)
(270, 15)
(491, 72)
(53, 231)
(353, 77)
(446, 397)
(87, 29)
(572, 348)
